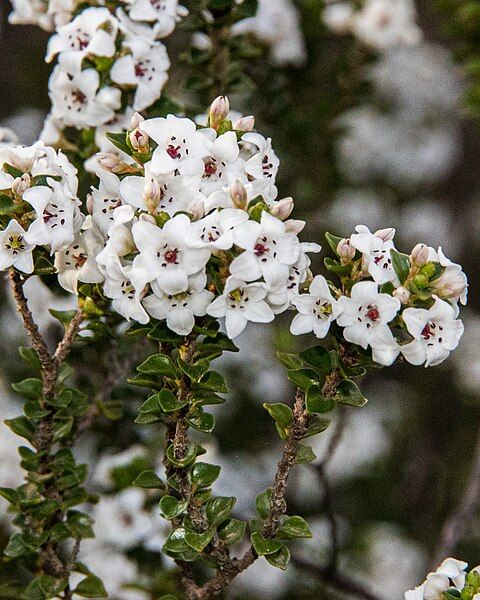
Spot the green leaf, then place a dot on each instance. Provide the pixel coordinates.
(452, 594)
(151, 405)
(303, 378)
(194, 371)
(64, 316)
(162, 333)
(120, 141)
(289, 360)
(176, 541)
(149, 479)
(335, 267)
(305, 454)
(280, 413)
(91, 587)
(30, 356)
(169, 402)
(401, 264)
(172, 507)
(202, 421)
(145, 381)
(80, 524)
(232, 531)
(21, 426)
(279, 559)
(30, 388)
(333, 241)
(214, 382)
(204, 474)
(294, 527)
(206, 397)
(33, 410)
(16, 547)
(219, 509)
(10, 494)
(349, 393)
(317, 425)
(160, 364)
(316, 402)
(317, 357)
(198, 541)
(188, 459)
(61, 428)
(147, 419)
(262, 503)
(264, 546)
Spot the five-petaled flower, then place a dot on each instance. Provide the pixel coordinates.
(317, 309)
(14, 249)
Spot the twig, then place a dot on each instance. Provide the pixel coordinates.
(456, 525)
(335, 580)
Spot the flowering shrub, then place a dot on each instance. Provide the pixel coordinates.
(181, 242)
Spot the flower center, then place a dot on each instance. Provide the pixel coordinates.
(15, 244)
(427, 332)
(210, 168)
(260, 249)
(173, 151)
(266, 166)
(140, 70)
(323, 309)
(78, 97)
(171, 256)
(372, 313)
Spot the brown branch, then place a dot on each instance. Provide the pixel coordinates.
(458, 523)
(335, 580)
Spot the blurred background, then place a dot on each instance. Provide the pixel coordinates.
(384, 138)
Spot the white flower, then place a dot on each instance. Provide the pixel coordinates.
(180, 309)
(164, 255)
(365, 316)
(376, 253)
(216, 230)
(180, 145)
(450, 572)
(317, 309)
(93, 31)
(338, 17)
(165, 13)
(120, 520)
(277, 24)
(223, 165)
(57, 215)
(146, 68)
(385, 23)
(263, 165)
(455, 570)
(14, 249)
(120, 240)
(241, 302)
(78, 261)
(452, 284)
(436, 333)
(126, 297)
(77, 100)
(105, 200)
(31, 12)
(270, 250)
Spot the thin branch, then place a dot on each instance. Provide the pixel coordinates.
(65, 344)
(335, 580)
(458, 523)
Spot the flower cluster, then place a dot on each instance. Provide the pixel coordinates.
(450, 580)
(379, 24)
(110, 62)
(388, 301)
(39, 204)
(192, 228)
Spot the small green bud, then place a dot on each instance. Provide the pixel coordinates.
(91, 309)
(161, 218)
(257, 210)
(420, 281)
(428, 269)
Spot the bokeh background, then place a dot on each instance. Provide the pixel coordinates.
(383, 139)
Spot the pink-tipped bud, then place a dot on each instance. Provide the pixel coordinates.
(152, 194)
(139, 141)
(21, 184)
(283, 209)
(218, 111)
(197, 209)
(345, 250)
(147, 218)
(244, 124)
(89, 204)
(419, 255)
(308, 280)
(385, 234)
(111, 162)
(294, 226)
(402, 294)
(136, 120)
(239, 196)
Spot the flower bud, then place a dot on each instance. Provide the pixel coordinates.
(294, 226)
(308, 280)
(420, 281)
(197, 209)
(244, 124)
(419, 255)
(218, 111)
(111, 162)
(385, 234)
(136, 120)
(21, 184)
(428, 269)
(89, 204)
(345, 250)
(402, 294)
(147, 218)
(152, 194)
(139, 141)
(283, 209)
(239, 196)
